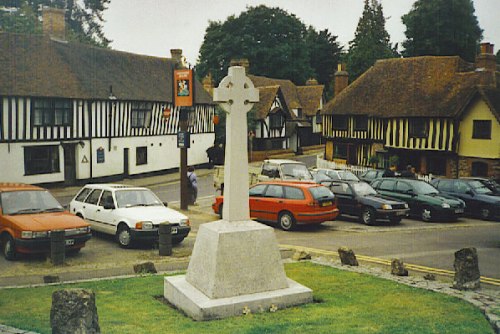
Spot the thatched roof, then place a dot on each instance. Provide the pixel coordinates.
(266, 99)
(310, 98)
(288, 89)
(411, 87)
(34, 65)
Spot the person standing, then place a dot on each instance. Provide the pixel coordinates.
(192, 185)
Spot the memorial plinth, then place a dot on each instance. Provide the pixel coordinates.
(236, 264)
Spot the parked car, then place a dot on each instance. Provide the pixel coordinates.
(479, 199)
(358, 198)
(371, 175)
(28, 214)
(490, 183)
(335, 174)
(425, 201)
(132, 214)
(288, 203)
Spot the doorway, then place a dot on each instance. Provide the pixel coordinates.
(125, 162)
(69, 164)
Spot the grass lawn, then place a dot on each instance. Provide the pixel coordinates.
(346, 302)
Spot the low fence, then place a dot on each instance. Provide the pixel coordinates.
(358, 170)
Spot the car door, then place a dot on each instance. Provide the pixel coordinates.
(257, 201)
(463, 191)
(293, 200)
(90, 209)
(105, 214)
(344, 197)
(405, 193)
(386, 187)
(273, 202)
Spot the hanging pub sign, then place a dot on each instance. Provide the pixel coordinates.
(183, 88)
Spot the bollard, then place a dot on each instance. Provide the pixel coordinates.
(165, 239)
(57, 247)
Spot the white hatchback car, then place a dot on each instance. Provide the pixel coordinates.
(130, 213)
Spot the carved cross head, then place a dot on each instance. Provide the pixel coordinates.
(236, 91)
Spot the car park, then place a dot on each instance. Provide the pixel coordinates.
(371, 175)
(480, 201)
(132, 214)
(425, 201)
(28, 215)
(335, 174)
(488, 182)
(288, 203)
(358, 198)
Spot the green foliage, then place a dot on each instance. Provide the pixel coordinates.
(498, 57)
(371, 41)
(346, 302)
(442, 28)
(83, 18)
(275, 43)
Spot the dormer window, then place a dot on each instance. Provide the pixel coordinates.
(50, 112)
(141, 114)
(275, 121)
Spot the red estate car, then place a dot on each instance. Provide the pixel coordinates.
(288, 203)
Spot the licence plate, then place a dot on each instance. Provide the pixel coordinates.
(174, 230)
(459, 210)
(400, 213)
(70, 242)
(328, 203)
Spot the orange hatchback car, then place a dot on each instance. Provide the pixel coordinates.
(28, 214)
(288, 203)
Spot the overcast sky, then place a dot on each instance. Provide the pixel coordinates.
(153, 27)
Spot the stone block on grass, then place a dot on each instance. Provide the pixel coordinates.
(74, 311)
(347, 257)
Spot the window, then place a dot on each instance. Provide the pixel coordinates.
(387, 185)
(83, 193)
(293, 193)
(319, 118)
(93, 198)
(141, 155)
(275, 121)
(461, 187)
(436, 165)
(48, 112)
(479, 169)
(402, 187)
(361, 123)
(257, 191)
(106, 198)
(418, 128)
(340, 151)
(41, 160)
(274, 191)
(445, 185)
(339, 122)
(481, 130)
(141, 114)
(341, 188)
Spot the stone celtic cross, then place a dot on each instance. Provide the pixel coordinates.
(236, 95)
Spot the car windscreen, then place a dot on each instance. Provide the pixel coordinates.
(348, 176)
(480, 187)
(424, 188)
(320, 192)
(29, 201)
(136, 197)
(296, 171)
(363, 189)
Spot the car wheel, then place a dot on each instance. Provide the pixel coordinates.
(286, 221)
(426, 214)
(123, 236)
(9, 250)
(484, 213)
(367, 216)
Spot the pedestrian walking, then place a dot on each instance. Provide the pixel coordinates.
(192, 185)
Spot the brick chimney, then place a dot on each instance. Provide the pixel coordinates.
(312, 82)
(341, 79)
(241, 62)
(54, 24)
(486, 58)
(176, 55)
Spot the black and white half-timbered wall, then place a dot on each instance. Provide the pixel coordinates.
(71, 112)
(439, 114)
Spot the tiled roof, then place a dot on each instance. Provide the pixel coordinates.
(34, 65)
(411, 87)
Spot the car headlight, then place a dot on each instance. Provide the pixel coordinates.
(83, 230)
(445, 206)
(406, 206)
(386, 207)
(144, 225)
(184, 222)
(33, 235)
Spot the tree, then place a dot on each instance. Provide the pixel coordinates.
(371, 41)
(272, 40)
(442, 28)
(498, 57)
(84, 18)
(324, 55)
